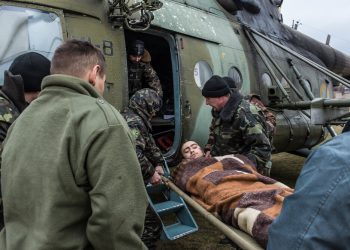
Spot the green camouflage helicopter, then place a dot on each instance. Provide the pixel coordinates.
(190, 40)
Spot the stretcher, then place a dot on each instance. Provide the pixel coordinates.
(174, 202)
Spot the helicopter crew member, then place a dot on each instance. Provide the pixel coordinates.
(140, 72)
(69, 173)
(22, 84)
(143, 106)
(237, 127)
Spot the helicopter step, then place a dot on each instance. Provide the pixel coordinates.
(170, 207)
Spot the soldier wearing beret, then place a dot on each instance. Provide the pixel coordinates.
(237, 126)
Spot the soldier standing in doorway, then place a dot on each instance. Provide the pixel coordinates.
(140, 72)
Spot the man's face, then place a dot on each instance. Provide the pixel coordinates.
(215, 102)
(135, 59)
(31, 96)
(191, 150)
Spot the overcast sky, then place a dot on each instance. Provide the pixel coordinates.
(319, 18)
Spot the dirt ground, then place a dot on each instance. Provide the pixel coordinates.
(286, 168)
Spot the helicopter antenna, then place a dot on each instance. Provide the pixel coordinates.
(296, 24)
(137, 16)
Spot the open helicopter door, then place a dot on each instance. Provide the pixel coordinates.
(198, 60)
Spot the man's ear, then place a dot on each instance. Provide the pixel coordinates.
(93, 73)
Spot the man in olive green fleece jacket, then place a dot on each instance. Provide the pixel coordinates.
(70, 174)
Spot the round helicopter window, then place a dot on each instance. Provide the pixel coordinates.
(264, 87)
(284, 83)
(202, 72)
(236, 76)
(266, 80)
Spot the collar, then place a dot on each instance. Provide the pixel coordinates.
(143, 116)
(231, 106)
(70, 82)
(14, 91)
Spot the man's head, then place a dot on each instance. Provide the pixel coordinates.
(146, 100)
(80, 59)
(191, 150)
(136, 51)
(216, 92)
(32, 67)
(230, 82)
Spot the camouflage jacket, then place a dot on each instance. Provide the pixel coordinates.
(8, 114)
(239, 129)
(142, 75)
(12, 102)
(148, 153)
(269, 117)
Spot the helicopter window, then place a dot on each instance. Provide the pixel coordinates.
(202, 72)
(27, 30)
(266, 80)
(236, 76)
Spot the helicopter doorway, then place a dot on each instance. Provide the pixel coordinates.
(166, 126)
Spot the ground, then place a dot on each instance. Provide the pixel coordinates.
(286, 168)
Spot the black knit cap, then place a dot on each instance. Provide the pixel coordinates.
(230, 82)
(33, 67)
(137, 48)
(216, 86)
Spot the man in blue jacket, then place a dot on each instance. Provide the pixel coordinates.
(317, 215)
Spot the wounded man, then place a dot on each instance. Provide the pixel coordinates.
(231, 188)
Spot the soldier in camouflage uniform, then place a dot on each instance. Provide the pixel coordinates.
(237, 125)
(269, 117)
(22, 84)
(140, 72)
(144, 105)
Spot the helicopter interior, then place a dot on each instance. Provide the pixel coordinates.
(163, 125)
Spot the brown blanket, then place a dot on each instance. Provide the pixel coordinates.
(232, 189)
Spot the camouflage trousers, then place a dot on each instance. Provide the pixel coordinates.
(152, 229)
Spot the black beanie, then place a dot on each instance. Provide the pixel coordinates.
(33, 67)
(230, 82)
(137, 48)
(216, 86)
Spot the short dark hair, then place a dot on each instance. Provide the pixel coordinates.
(74, 57)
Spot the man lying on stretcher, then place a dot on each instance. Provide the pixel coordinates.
(230, 187)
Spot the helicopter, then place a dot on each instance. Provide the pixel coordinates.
(189, 41)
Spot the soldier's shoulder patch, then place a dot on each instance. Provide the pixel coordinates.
(135, 132)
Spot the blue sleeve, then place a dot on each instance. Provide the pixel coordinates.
(316, 215)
